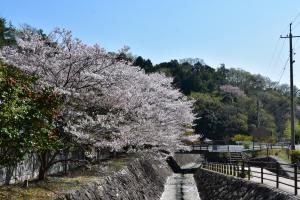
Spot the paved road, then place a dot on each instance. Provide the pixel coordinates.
(180, 187)
(272, 176)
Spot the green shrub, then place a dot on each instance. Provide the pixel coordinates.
(240, 138)
(295, 156)
(246, 145)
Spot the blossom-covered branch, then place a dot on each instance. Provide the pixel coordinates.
(107, 101)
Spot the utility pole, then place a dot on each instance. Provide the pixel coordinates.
(290, 36)
(257, 122)
(257, 113)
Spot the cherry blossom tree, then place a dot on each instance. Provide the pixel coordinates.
(108, 102)
(234, 91)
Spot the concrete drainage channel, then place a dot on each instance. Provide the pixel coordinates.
(181, 185)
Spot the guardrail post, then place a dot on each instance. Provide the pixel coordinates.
(234, 170)
(296, 178)
(243, 170)
(221, 168)
(262, 174)
(277, 175)
(228, 169)
(238, 169)
(228, 165)
(248, 170)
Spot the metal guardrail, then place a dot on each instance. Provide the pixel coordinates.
(252, 169)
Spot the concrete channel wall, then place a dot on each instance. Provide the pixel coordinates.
(213, 185)
(142, 179)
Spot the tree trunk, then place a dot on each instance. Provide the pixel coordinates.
(9, 174)
(43, 166)
(42, 174)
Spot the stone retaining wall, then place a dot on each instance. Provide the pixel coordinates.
(142, 179)
(216, 186)
(29, 168)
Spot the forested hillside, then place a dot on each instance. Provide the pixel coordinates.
(230, 101)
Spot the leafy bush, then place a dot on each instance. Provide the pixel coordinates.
(295, 156)
(246, 145)
(240, 137)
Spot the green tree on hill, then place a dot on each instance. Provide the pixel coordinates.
(6, 33)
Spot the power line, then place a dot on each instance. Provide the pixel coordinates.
(297, 24)
(274, 62)
(278, 56)
(273, 55)
(294, 21)
(295, 44)
(295, 18)
(281, 75)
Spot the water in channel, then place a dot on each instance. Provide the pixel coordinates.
(180, 187)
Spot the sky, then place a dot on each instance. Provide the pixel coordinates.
(239, 33)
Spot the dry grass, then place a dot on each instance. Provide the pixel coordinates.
(39, 190)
